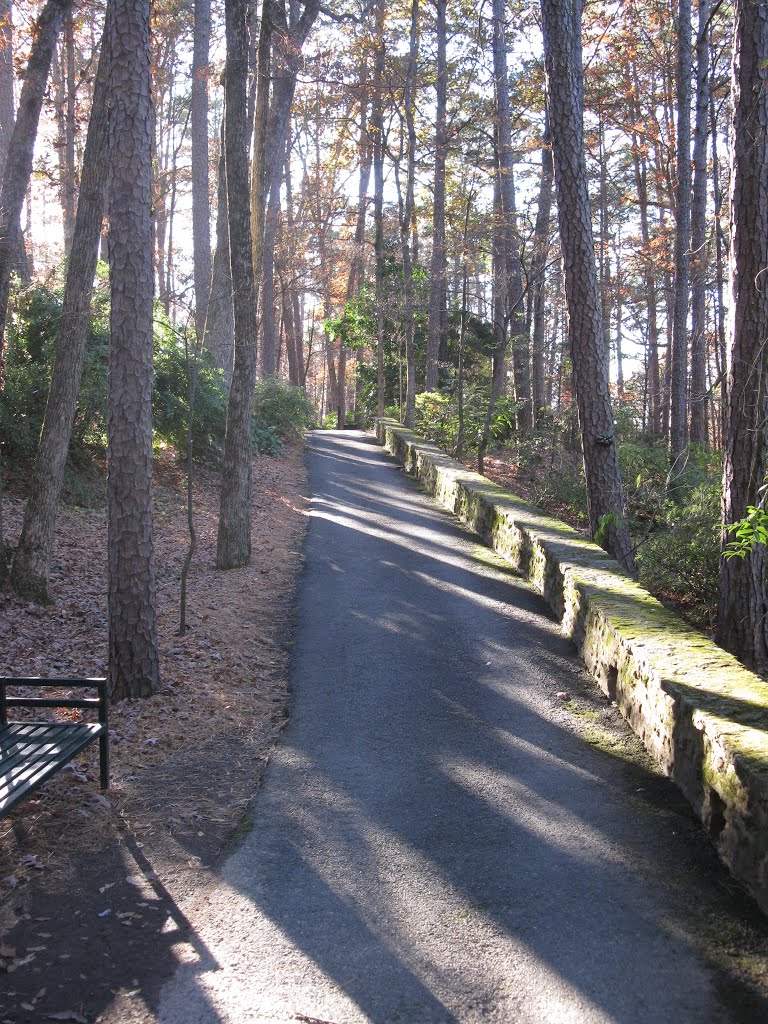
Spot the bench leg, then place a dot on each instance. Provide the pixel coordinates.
(104, 760)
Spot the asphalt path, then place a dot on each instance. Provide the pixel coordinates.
(435, 841)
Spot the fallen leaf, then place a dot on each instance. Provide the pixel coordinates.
(68, 1015)
(7, 951)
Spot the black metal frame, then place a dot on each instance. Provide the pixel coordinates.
(100, 704)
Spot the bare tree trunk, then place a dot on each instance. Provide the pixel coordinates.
(719, 260)
(699, 247)
(134, 669)
(7, 105)
(743, 604)
(437, 288)
(233, 548)
(561, 23)
(377, 126)
(514, 298)
(268, 324)
(641, 184)
(220, 322)
(201, 223)
(18, 167)
(538, 274)
(678, 373)
(32, 559)
(406, 217)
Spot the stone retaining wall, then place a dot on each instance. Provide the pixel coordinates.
(700, 713)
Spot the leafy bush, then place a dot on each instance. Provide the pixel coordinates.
(680, 559)
(170, 398)
(282, 408)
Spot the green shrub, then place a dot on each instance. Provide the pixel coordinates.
(680, 559)
(282, 408)
(170, 399)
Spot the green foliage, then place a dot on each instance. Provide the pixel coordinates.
(170, 397)
(747, 533)
(30, 351)
(680, 558)
(281, 412)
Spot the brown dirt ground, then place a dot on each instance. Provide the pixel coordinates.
(91, 885)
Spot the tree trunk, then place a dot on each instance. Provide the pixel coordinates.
(377, 126)
(438, 269)
(201, 222)
(134, 669)
(743, 604)
(7, 105)
(220, 323)
(32, 560)
(678, 372)
(561, 23)
(719, 263)
(233, 548)
(641, 185)
(538, 274)
(514, 297)
(18, 167)
(268, 323)
(699, 245)
(406, 218)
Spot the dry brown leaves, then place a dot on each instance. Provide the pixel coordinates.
(187, 760)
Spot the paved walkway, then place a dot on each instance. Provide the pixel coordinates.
(434, 842)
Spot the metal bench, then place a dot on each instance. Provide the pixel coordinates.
(31, 752)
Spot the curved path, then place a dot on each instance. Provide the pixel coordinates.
(434, 841)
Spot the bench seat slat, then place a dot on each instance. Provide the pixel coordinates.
(39, 751)
(40, 740)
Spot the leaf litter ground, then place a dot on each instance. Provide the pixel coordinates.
(92, 885)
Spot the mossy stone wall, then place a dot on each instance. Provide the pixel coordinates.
(697, 710)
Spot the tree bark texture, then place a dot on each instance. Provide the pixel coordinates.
(406, 218)
(234, 537)
(6, 79)
(743, 606)
(18, 166)
(561, 23)
(438, 269)
(201, 223)
(268, 322)
(538, 274)
(377, 128)
(32, 559)
(699, 240)
(678, 372)
(220, 323)
(513, 275)
(133, 657)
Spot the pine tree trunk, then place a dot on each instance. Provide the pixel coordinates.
(268, 323)
(699, 245)
(201, 223)
(377, 126)
(233, 548)
(513, 277)
(561, 22)
(538, 275)
(18, 167)
(220, 323)
(743, 603)
(32, 559)
(437, 287)
(678, 373)
(134, 669)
